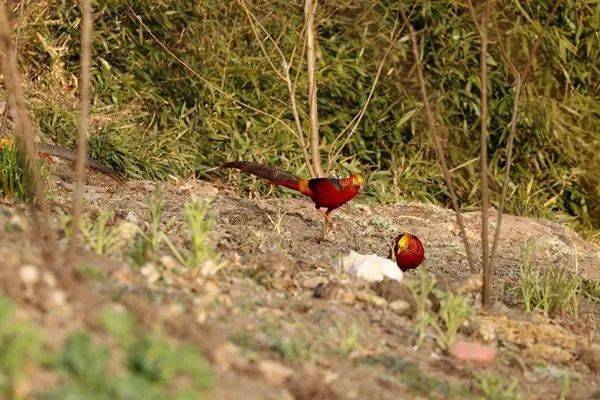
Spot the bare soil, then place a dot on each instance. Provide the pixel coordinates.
(280, 321)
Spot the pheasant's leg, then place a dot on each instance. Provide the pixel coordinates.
(326, 224)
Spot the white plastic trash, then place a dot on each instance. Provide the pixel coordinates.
(370, 267)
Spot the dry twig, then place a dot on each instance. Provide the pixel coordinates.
(435, 137)
(82, 144)
(25, 143)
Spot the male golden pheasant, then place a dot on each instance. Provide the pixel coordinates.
(329, 193)
(408, 251)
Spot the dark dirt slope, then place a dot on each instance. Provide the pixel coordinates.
(265, 333)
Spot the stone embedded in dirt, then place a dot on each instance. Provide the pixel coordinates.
(474, 352)
(471, 284)
(590, 356)
(400, 307)
(363, 207)
(228, 356)
(168, 262)
(313, 282)
(310, 387)
(49, 279)
(369, 267)
(370, 298)
(274, 373)
(149, 272)
(392, 290)
(57, 298)
(29, 274)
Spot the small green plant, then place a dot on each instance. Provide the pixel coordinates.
(101, 237)
(198, 225)
(349, 338)
(454, 311)
(20, 349)
(150, 365)
(155, 209)
(12, 179)
(421, 289)
(147, 242)
(551, 290)
(565, 386)
(591, 290)
(494, 388)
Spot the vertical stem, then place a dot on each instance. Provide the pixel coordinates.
(82, 144)
(435, 137)
(310, 9)
(487, 272)
(24, 130)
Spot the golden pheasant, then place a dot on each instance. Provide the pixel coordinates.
(46, 150)
(408, 251)
(328, 193)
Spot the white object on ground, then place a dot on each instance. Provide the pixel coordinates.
(370, 267)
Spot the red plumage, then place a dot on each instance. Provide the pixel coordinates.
(329, 193)
(409, 252)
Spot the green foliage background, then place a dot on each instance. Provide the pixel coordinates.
(153, 118)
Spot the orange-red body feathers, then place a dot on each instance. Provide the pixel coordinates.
(329, 193)
(408, 251)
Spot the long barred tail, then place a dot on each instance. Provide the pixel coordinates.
(272, 174)
(71, 155)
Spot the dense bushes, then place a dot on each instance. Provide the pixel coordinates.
(152, 117)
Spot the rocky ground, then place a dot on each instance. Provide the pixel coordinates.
(277, 319)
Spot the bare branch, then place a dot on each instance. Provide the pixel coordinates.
(310, 9)
(485, 190)
(4, 117)
(435, 137)
(299, 134)
(25, 142)
(82, 144)
(519, 82)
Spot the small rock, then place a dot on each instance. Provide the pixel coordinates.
(168, 262)
(274, 372)
(391, 290)
(228, 356)
(590, 356)
(312, 283)
(400, 307)
(473, 352)
(49, 279)
(149, 271)
(128, 231)
(133, 218)
(364, 208)
(16, 223)
(469, 285)
(348, 297)
(29, 274)
(371, 298)
(57, 298)
(327, 291)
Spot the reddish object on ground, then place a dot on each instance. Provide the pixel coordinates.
(329, 193)
(408, 251)
(474, 352)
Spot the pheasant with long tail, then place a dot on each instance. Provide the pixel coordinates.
(328, 193)
(47, 151)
